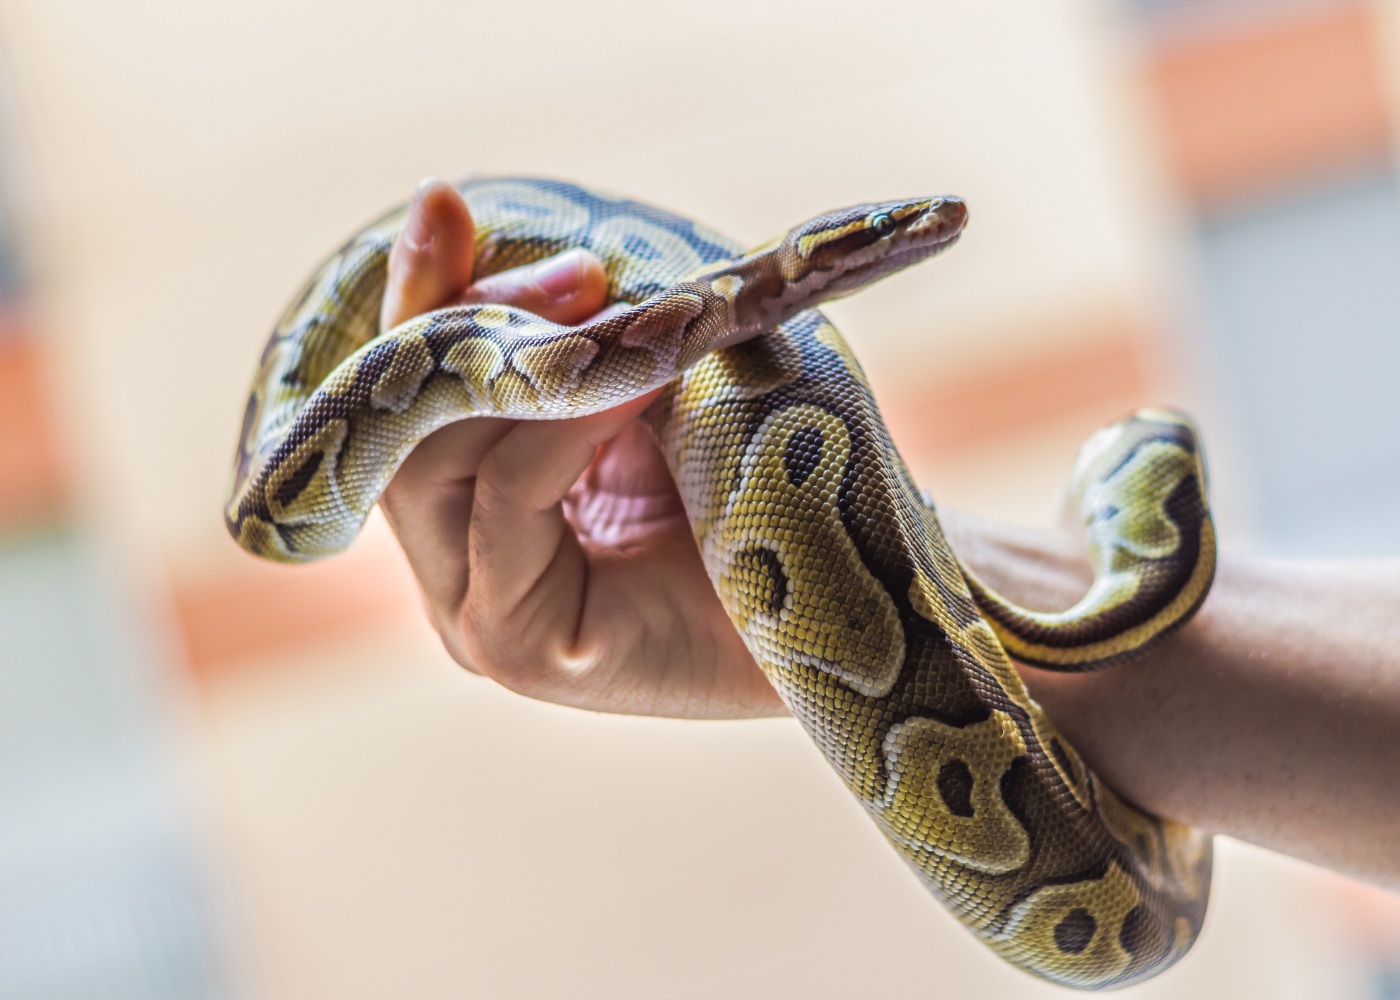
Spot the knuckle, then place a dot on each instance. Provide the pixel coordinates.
(509, 288)
(506, 659)
(497, 486)
(524, 472)
(517, 673)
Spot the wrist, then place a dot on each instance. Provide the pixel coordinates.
(1039, 570)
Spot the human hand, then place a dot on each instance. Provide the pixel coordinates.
(555, 556)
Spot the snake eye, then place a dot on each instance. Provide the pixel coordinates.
(882, 224)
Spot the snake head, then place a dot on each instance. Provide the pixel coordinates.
(839, 252)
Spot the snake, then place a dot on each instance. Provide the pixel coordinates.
(895, 658)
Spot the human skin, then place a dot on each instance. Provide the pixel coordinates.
(555, 558)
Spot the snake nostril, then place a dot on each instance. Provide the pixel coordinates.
(952, 215)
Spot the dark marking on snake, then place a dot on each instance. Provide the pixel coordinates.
(762, 565)
(292, 486)
(955, 786)
(802, 454)
(1063, 759)
(1142, 845)
(1137, 933)
(1075, 930)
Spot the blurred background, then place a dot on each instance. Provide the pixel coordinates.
(228, 780)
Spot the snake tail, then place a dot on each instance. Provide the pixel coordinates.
(1139, 487)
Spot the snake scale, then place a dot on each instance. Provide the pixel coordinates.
(831, 564)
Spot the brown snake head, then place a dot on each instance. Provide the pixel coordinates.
(837, 253)
(833, 255)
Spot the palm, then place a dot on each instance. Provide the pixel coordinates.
(650, 608)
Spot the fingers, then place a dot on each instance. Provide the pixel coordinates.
(567, 288)
(518, 527)
(430, 266)
(430, 501)
(431, 260)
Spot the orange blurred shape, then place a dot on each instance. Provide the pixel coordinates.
(1098, 372)
(1374, 916)
(248, 610)
(1270, 108)
(33, 486)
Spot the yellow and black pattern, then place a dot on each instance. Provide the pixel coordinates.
(1139, 487)
(831, 565)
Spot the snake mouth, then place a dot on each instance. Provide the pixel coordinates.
(946, 218)
(906, 256)
(940, 227)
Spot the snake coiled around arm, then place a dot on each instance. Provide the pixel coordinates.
(835, 570)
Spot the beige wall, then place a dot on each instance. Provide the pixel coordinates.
(198, 159)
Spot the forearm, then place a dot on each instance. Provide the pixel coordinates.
(1274, 715)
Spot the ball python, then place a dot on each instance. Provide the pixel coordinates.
(894, 657)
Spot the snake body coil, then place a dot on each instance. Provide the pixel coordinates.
(890, 653)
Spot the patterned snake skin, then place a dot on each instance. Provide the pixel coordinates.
(834, 569)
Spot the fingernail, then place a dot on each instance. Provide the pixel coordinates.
(560, 276)
(417, 233)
